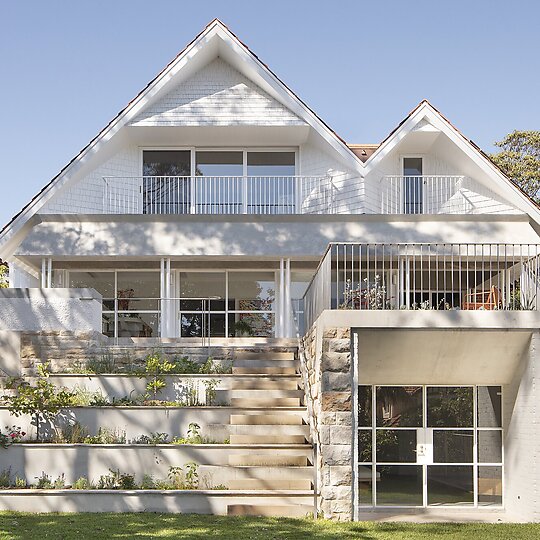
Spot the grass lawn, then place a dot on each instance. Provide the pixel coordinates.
(14, 526)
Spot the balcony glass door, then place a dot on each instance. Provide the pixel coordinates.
(429, 446)
(166, 183)
(413, 186)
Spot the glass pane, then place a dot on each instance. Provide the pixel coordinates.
(219, 164)
(364, 445)
(364, 406)
(165, 188)
(450, 407)
(252, 325)
(271, 163)
(399, 406)
(396, 446)
(450, 484)
(202, 285)
(489, 406)
(107, 324)
(103, 282)
(412, 166)
(252, 291)
(138, 291)
(194, 324)
(138, 324)
(453, 446)
(166, 163)
(490, 485)
(490, 446)
(399, 485)
(365, 485)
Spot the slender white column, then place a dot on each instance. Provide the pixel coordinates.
(287, 306)
(281, 307)
(49, 272)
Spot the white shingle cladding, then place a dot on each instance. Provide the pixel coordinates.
(349, 187)
(218, 95)
(479, 198)
(86, 196)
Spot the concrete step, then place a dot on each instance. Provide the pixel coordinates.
(223, 474)
(272, 460)
(269, 510)
(262, 362)
(278, 430)
(266, 419)
(265, 402)
(257, 355)
(263, 394)
(266, 383)
(255, 370)
(267, 439)
(270, 483)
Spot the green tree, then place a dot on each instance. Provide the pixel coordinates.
(519, 158)
(4, 275)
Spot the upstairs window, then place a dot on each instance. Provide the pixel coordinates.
(413, 186)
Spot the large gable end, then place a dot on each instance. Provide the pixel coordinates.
(219, 95)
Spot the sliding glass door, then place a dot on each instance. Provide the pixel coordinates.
(227, 303)
(430, 446)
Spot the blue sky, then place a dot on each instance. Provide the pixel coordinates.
(67, 67)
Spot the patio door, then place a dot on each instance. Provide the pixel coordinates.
(429, 446)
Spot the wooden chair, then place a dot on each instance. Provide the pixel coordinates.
(489, 300)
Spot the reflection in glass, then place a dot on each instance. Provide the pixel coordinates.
(450, 484)
(489, 485)
(251, 325)
(364, 445)
(399, 406)
(138, 291)
(199, 324)
(450, 406)
(364, 406)
(489, 406)
(134, 324)
(453, 446)
(399, 485)
(490, 446)
(365, 485)
(202, 284)
(252, 291)
(102, 282)
(107, 324)
(396, 446)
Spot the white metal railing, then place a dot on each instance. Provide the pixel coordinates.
(436, 276)
(425, 195)
(219, 195)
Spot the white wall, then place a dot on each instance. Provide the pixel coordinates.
(522, 438)
(76, 310)
(20, 278)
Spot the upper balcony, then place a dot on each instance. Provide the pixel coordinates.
(266, 195)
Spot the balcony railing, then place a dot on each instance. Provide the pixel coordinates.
(219, 195)
(425, 277)
(429, 194)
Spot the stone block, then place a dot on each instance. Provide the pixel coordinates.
(336, 455)
(343, 419)
(340, 435)
(324, 434)
(328, 418)
(340, 476)
(336, 381)
(339, 345)
(336, 361)
(336, 401)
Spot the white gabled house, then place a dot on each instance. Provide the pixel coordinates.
(218, 210)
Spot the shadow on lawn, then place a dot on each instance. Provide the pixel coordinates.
(15, 526)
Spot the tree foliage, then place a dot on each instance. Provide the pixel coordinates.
(519, 158)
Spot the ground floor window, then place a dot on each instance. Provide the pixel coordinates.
(430, 445)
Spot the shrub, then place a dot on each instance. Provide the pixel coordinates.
(116, 480)
(107, 436)
(20, 483)
(153, 438)
(156, 366)
(148, 482)
(5, 477)
(82, 483)
(44, 481)
(73, 433)
(13, 434)
(42, 401)
(60, 482)
(184, 478)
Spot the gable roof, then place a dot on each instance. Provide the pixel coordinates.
(203, 43)
(425, 111)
